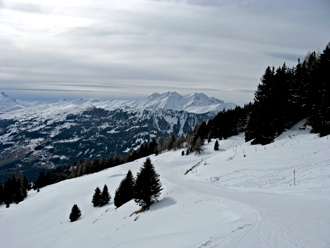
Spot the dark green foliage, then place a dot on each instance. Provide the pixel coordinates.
(97, 197)
(229, 122)
(75, 213)
(216, 145)
(1, 194)
(88, 166)
(105, 196)
(198, 146)
(152, 147)
(101, 198)
(272, 107)
(58, 174)
(201, 131)
(320, 118)
(147, 185)
(125, 191)
(168, 145)
(288, 95)
(14, 190)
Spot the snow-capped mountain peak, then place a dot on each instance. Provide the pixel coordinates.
(7, 104)
(194, 103)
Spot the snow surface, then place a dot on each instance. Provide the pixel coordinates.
(240, 196)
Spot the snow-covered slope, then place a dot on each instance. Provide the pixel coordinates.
(241, 196)
(7, 104)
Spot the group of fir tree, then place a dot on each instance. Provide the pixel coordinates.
(145, 189)
(14, 190)
(101, 198)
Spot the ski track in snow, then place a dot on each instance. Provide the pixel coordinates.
(246, 201)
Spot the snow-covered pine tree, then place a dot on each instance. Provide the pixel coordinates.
(147, 186)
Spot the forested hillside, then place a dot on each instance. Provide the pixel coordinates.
(287, 95)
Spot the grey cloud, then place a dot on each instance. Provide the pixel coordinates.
(286, 56)
(220, 47)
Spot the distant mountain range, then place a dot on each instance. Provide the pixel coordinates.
(197, 103)
(39, 136)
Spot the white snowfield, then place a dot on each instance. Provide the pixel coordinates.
(241, 196)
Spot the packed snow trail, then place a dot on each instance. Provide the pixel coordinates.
(273, 220)
(281, 221)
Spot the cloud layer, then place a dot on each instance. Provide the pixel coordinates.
(129, 49)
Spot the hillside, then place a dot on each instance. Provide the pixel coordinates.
(240, 196)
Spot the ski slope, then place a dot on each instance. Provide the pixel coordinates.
(241, 196)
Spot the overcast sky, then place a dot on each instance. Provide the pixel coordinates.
(123, 49)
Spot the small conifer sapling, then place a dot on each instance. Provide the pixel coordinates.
(216, 145)
(75, 213)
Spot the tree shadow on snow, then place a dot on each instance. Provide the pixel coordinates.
(166, 202)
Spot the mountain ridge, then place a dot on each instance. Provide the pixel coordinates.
(198, 103)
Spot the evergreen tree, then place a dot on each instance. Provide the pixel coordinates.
(198, 146)
(125, 190)
(128, 157)
(152, 147)
(147, 186)
(105, 196)
(320, 117)
(75, 213)
(97, 197)
(1, 194)
(261, 126)
(216, 145)
(168, 145)
(117, 159)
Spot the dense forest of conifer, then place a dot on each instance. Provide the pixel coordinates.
(288, 95)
